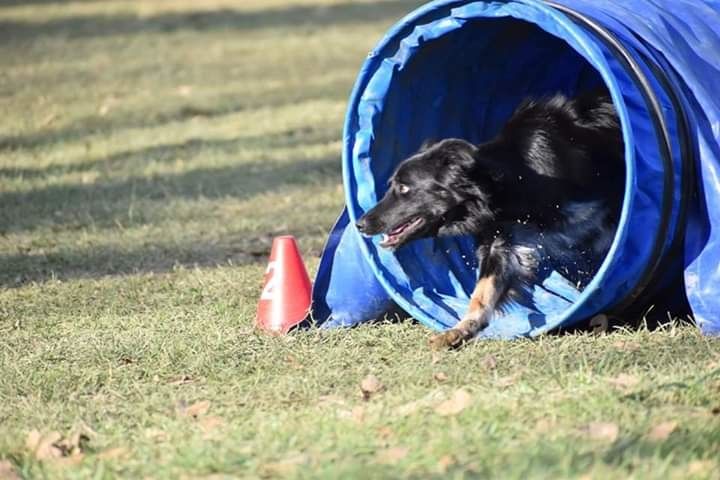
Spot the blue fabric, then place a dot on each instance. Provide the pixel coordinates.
(459, 68)
(345, 291)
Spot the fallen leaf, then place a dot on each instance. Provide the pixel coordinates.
(370, 385)
(44, 446)
(62, 450)
(440, 376)
(662, 431)
(210, 423)
(489, 362)
(195, 410)
(602, 431)
(77, 441)
(445, 462)
(392, 455)
(7, 471)
(458, 402)
(624, 381)
(113, 453)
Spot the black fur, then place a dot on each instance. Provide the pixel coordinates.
(549, 185)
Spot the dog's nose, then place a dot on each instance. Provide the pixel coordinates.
(361, 225)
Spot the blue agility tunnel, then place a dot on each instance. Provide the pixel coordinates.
(458, 69)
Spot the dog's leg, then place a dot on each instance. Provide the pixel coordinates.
(500, 266)
(488, 293)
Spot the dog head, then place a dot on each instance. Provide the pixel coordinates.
(444, 189)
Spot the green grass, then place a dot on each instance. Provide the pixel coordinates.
(149, 152)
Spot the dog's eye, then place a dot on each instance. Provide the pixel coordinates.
(403, 189)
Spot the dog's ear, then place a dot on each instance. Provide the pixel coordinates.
(466, 155)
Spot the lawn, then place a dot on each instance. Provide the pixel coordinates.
(149, 152)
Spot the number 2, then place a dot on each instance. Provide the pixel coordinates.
(267, 293)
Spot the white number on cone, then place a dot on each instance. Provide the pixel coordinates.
(267, 293)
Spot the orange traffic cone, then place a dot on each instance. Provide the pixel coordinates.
(285, 298)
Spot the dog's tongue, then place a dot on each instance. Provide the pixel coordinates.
(389, 240)
(392, 238)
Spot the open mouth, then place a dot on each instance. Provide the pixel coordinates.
(399, 234)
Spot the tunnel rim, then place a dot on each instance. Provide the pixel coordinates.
(569, 30)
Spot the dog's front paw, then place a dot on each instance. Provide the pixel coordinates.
(452, 338)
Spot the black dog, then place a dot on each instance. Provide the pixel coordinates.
(549, 185)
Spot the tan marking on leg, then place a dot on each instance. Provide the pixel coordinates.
(482, 303)
(483, 297)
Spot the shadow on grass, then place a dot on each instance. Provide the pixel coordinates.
(110, 204)
(183, 111)
(107, 203)
(187, 150)
(297, 16)
(195, 249)
(99, 261)
(681, 445)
